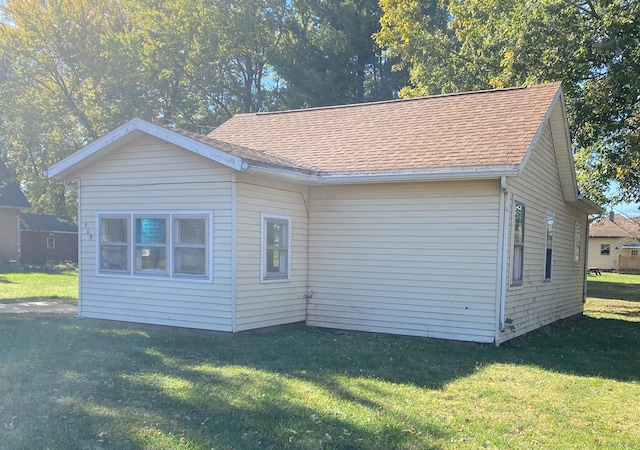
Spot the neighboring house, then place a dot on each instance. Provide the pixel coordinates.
(12, 200)
(614, 243)
(453, 216)
(48, 238)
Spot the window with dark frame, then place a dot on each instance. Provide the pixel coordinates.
(605, 249)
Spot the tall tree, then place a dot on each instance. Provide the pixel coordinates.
(592, 46)
(53, 86)
(329, 56)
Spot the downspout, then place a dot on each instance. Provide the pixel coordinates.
(80, 271)
(234, 246)
(585, 269)
(503, 246)
(308, 293)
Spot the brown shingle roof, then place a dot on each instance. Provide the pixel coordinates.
(619, 227)
(469, 130)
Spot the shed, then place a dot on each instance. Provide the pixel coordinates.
(452, 216)
(46, 238)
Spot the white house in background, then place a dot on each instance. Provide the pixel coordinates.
(453, 216)
(614, 243)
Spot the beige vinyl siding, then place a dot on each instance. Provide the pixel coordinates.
(416, 258)
(538, 302)
(152, 175)
(264, 304)
(606, 262)
(9, 237)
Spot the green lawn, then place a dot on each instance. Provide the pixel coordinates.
(67, 383)
(33, 285)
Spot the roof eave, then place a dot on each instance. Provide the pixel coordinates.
(390, 176)
(589, 206)
(129, 132)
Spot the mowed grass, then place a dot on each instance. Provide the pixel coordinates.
(67, 383)
(35, 286)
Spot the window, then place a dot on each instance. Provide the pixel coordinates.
(275, 263)
(151, 245)
(518, 242)
(175, 245)
(634, 252)
(577, 244)
(548, 246)
(114, 244)
(605, 249)
(190, 246)
(51, 242)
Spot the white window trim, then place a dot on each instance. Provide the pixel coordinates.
(518, 284)
(549, 214)
(131, 246)
(53, 242)
(577, 243)
(263, 249)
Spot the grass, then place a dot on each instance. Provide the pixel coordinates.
(33, 285)
(67, 383)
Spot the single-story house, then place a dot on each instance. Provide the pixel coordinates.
(48, 238)
(614, 243)
(12, 200)
(451, 216)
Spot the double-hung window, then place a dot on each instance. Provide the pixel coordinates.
(113, 253)
(548, 244)
(166, 244)
(517, 265)
(275, 248)
(605, 249)
(577, 244)
(190, 246)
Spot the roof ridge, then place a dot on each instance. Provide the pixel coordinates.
(400, 100)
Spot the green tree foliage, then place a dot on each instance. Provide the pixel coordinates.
(328, 55)
(53, 87)
(71, 70)
(592, 46)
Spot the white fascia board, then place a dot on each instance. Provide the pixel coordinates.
(589, 206)
(538, 134)
(470, 173)
(127, 133)
(557, 102)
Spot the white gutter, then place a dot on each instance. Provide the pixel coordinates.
(467, 173)
(504, 245)
(80, 270)
(234, 247)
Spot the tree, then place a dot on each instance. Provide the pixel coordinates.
(592, 46)
(53, 87)
(329, 57)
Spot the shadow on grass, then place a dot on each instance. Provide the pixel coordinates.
(129, 386)
(4, 280)
(52, 298)
(614, 291)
